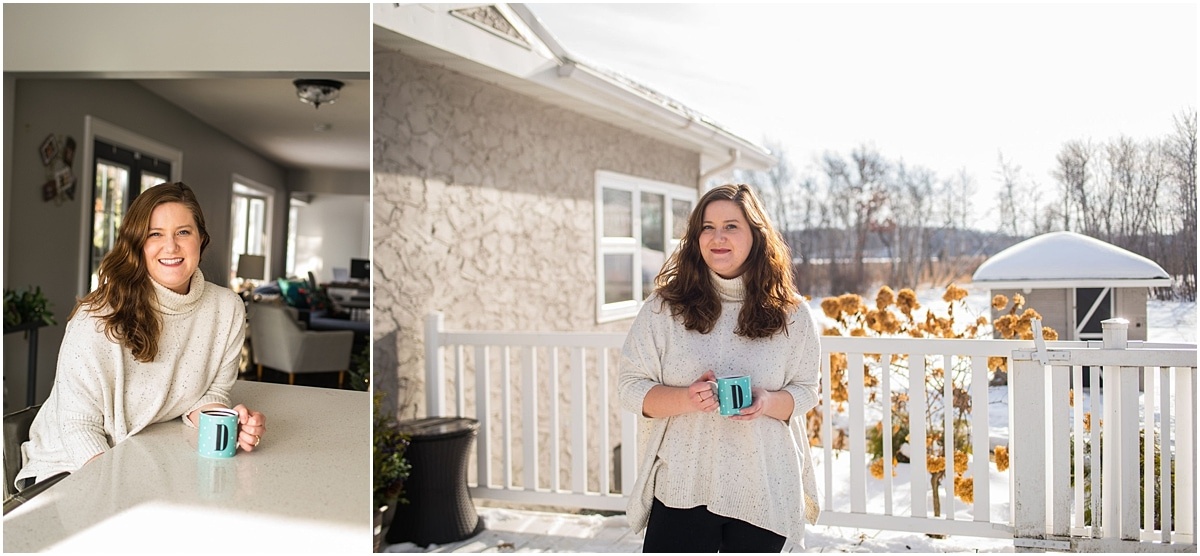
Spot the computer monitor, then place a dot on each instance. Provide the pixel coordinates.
(360, 269)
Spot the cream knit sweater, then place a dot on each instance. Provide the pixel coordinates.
(756, 471)
(101, 395)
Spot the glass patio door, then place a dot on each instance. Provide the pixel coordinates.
(121, 174)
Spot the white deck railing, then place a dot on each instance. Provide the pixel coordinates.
(560, 452)
(560, 390)
(1114, 508)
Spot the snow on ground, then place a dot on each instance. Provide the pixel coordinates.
(1171, 321)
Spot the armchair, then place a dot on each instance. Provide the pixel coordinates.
(280, 343)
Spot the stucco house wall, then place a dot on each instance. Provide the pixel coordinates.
(484, 210)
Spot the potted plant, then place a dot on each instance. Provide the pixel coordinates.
(27, 309)
(390, 467)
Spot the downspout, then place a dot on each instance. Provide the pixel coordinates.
(734, 156)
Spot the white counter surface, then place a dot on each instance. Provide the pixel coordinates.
(307, 488)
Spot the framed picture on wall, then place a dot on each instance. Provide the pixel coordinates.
(49, 149)
(68, 151)
(66, 182)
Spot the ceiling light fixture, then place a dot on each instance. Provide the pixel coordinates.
(317, 91)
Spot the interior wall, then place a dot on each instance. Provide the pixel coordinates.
(215, 38)
(42, 243)
(340, 182)
(9, 87)
(331, 230)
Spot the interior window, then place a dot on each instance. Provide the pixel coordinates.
(121, 174)
(249, 228)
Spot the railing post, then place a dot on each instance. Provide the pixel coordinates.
(1028, 444)
(1121, 470)
(1115, 333)
(435, 372)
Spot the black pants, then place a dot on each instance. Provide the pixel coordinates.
(699, 530)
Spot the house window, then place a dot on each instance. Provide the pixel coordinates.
(639, 222)
(249, 224)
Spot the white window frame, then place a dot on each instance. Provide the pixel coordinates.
(608, 312)
(245, 187)
(294, 206)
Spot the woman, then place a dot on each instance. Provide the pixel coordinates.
(152, 343)
(724, 305)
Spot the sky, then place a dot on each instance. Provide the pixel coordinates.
(946, 86)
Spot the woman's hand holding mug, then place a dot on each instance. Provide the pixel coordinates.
(701, 395)
(253, 425)
(756, 409)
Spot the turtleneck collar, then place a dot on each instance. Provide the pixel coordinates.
(728, 289)
(171, 303)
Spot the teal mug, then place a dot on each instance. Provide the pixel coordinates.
(733, 394)
(218, 433)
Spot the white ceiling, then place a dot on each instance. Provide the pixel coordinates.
(265, 115)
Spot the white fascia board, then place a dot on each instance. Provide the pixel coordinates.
(432, 25)
(1061, 284)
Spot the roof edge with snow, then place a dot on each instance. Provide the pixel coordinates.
(1068, 259)
(1063, 284)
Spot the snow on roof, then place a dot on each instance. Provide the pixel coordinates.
(1068, 259)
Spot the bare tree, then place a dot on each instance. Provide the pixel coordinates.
(776, 186)
(1149, 222)
(797, 210)
(1181, 154)
(1041, 216)
(858, 191)
(812, 215)
(1022, 212)
(906, 233)
(1074, 174)
(1011, 196)
(1122, 202)
(1137, 195)
(956, 213)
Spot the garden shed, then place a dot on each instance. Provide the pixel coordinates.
(1075, 282)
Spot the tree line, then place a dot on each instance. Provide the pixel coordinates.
(860, 220)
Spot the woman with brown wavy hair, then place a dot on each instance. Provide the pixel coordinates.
(724, 305)
(152, 343)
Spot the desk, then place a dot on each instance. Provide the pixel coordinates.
(306, 489)
(353, 289)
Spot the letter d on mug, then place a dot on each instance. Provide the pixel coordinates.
(733, 393)
(218, 433)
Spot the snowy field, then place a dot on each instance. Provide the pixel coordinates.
(521, 531)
